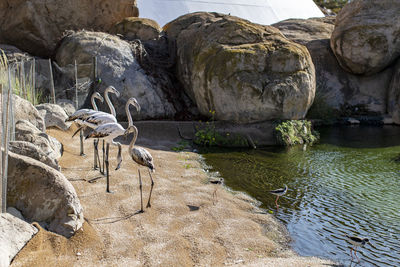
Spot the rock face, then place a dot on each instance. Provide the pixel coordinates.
(243, 71)
(118, 67)
(54, 116)
(14, 234)
(26, 131)
(36, 26)
(137, 28)
(394, 95)
(366, 38)
(30, 150)
(43, 194)
(336, 88)
(24, 110)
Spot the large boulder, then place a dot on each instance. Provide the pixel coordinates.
(30, 150)
(137, 28)
(54, 116)
(36, 26)
(14, 234)
(117, 66)
(24, 110)
(43, 194)
(26, 131)
(366, 38)
(243, 71)
(336, 88)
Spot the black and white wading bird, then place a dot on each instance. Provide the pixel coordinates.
(278, 193)
(142, 157)
(82, 113)
(356, 242)
(108, 132)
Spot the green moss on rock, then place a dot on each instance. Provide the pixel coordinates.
(295, 132)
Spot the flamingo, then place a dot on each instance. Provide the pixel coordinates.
(109, 131)
(82, 112)
(142, 157)
(94, 119)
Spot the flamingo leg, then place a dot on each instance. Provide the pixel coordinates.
(151, 190)
(107, 169)
(95, 151)
(103, 159)
(81, 137)
(141, 192)
(119, 156)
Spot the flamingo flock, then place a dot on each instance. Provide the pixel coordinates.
(105, 126)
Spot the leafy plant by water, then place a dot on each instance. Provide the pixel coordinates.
(295, 132)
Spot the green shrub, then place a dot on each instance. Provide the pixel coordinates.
(294, 132)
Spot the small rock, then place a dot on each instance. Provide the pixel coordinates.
(78, 254)
(54, 116)
(13, 211)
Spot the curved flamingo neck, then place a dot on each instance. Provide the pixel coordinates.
(94, 102)
(110, 105)
(133, 141)
(128, 114)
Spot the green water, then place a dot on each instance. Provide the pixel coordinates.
(349, 183)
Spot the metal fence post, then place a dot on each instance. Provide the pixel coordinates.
(53, 92)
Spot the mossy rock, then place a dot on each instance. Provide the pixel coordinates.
(137, 28)
(295, 132)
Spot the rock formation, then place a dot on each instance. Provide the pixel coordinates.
(26, 131)
(14, 234)
(244, 72)
(43, 194)
(54, 116)
(336, 88)
(366, 38)
(117, 66)
(30, 150)
(36, 26)
(137, 28)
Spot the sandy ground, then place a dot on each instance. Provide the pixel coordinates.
(182, 228)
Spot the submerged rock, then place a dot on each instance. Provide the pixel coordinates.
(243, 71)
(366, 38)
(43, 194)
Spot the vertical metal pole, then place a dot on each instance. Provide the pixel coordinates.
(5, 151)
(24, 89)
(76, 86)
(1, 143)
(34, 82)
(53, 92)
(94, 69)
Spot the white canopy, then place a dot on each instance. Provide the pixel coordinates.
(258, 11)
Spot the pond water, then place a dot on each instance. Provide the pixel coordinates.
(347, 184)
